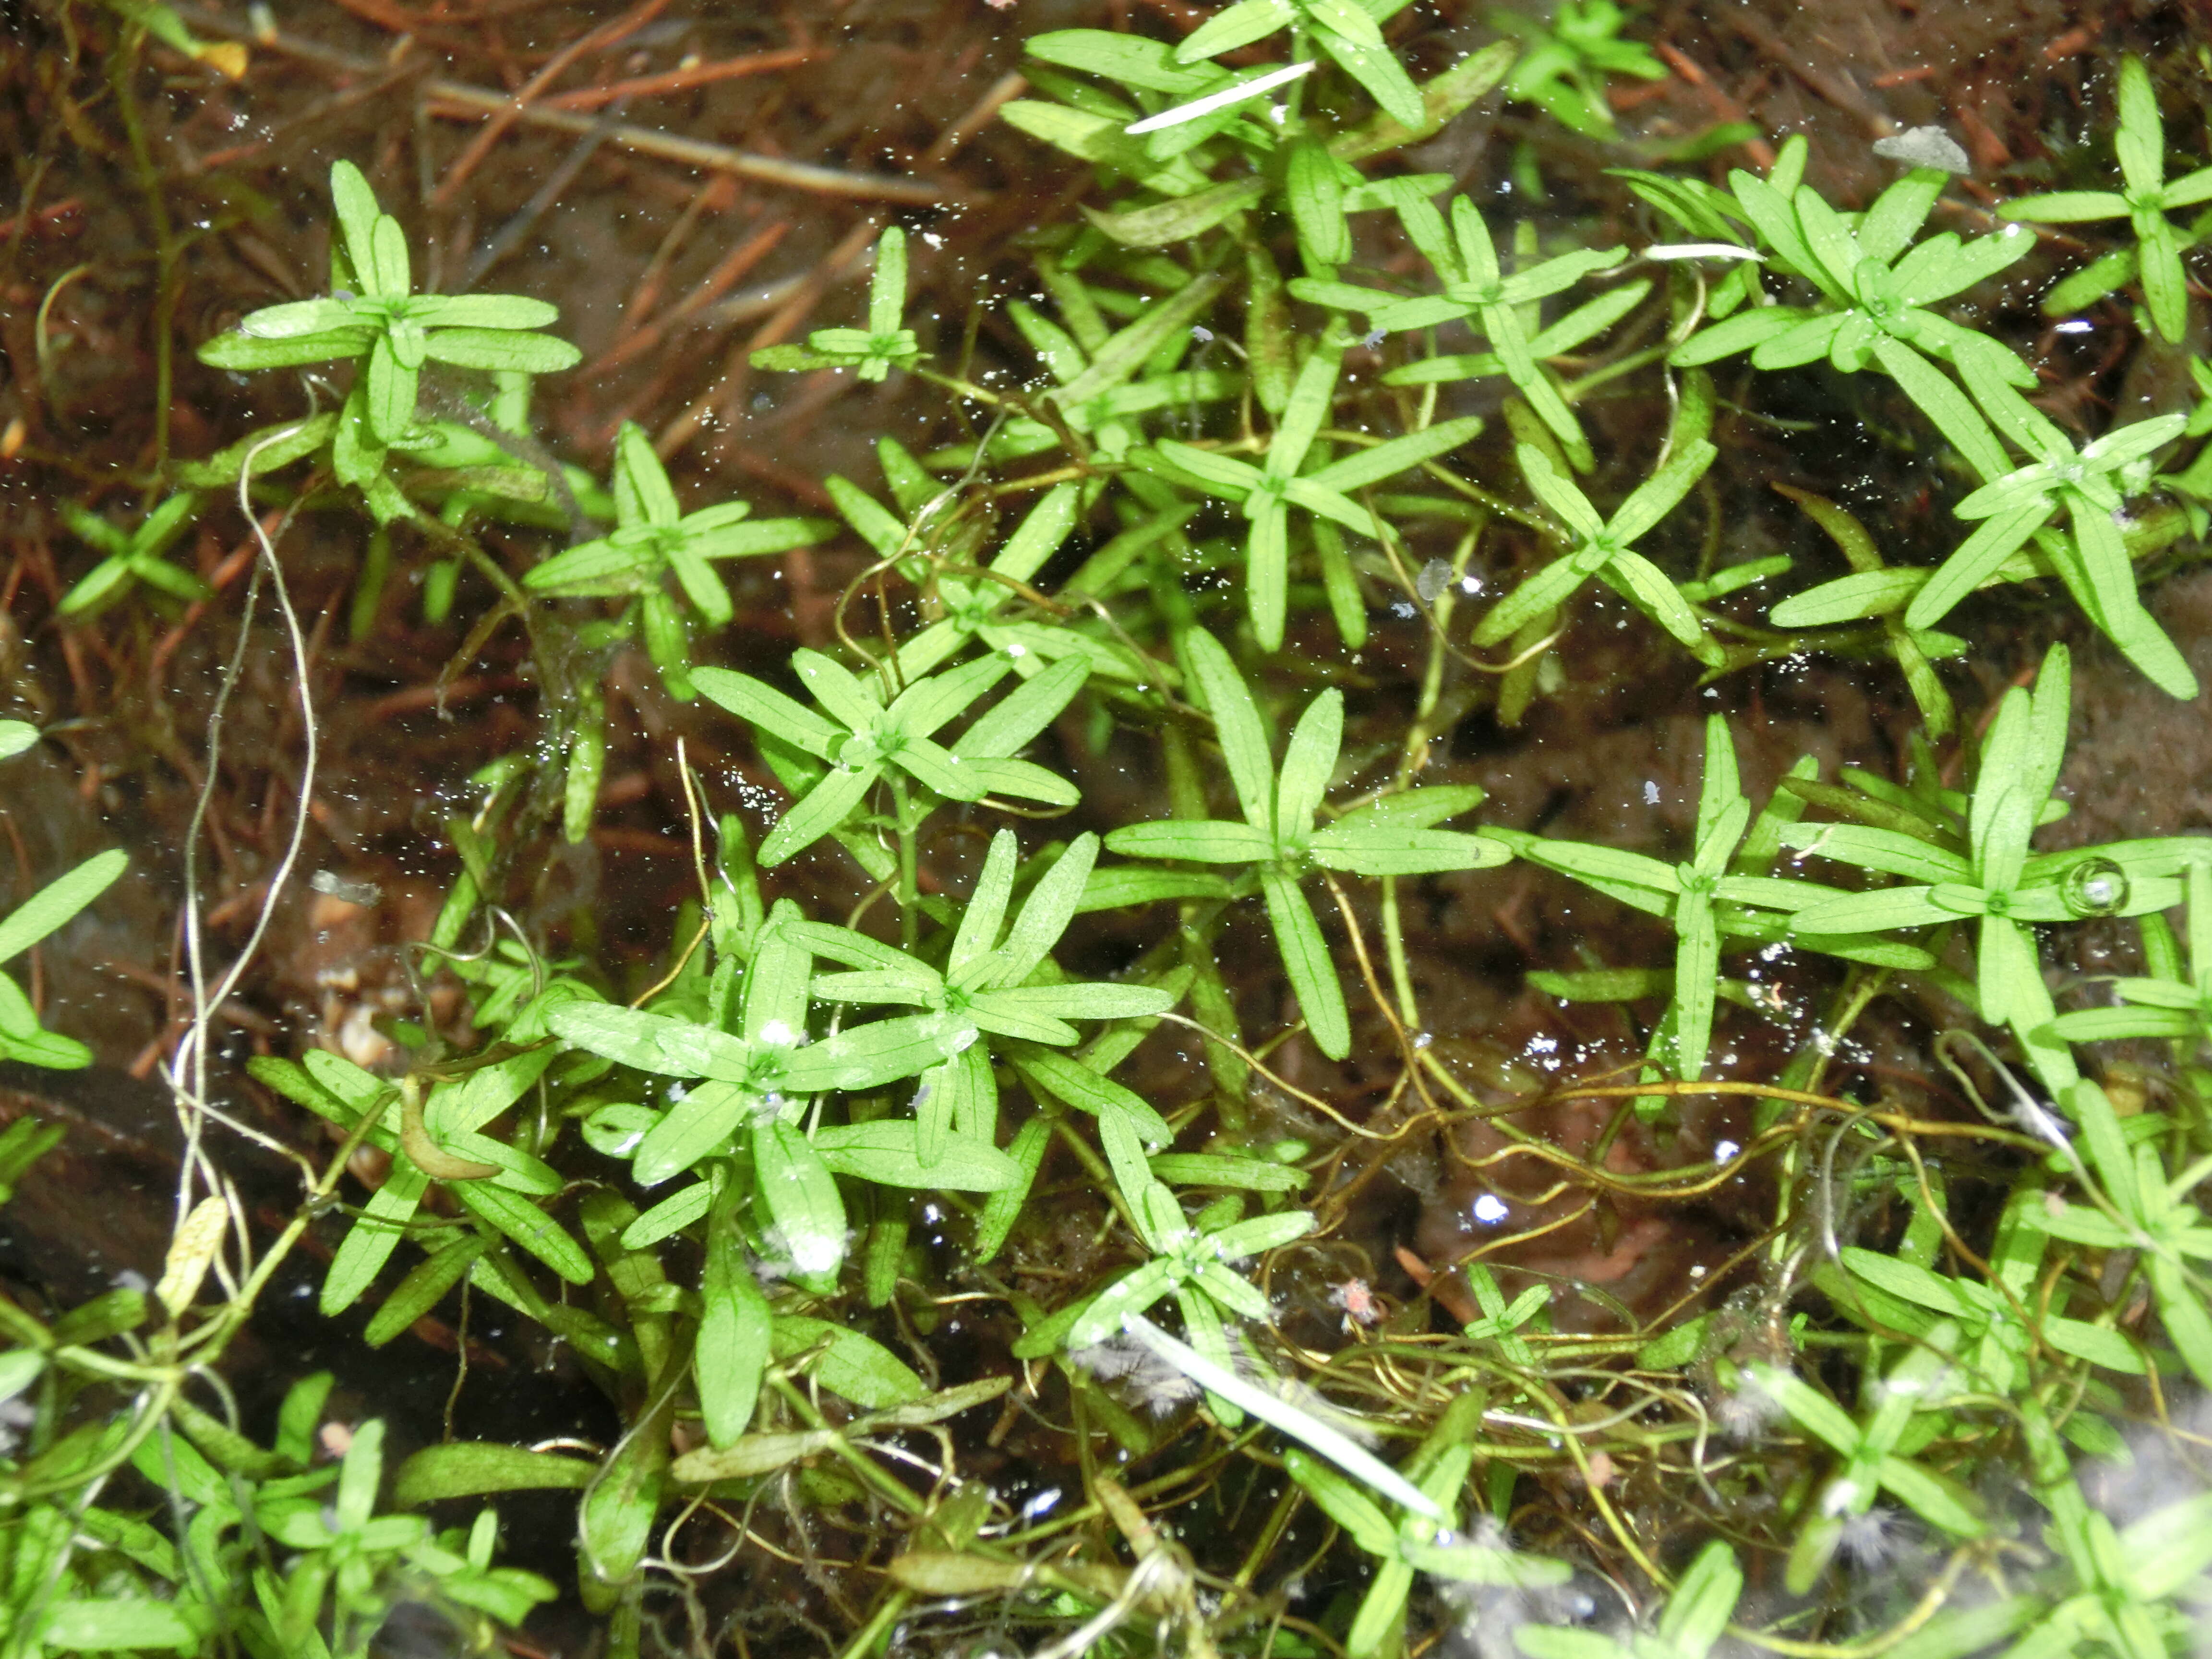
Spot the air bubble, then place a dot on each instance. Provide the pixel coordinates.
(2096, 887)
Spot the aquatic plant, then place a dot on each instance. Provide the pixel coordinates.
(723, 1319)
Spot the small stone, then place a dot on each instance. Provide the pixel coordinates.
(1924, 147)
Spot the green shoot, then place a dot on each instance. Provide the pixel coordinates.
(1562, 67)
(373, 312)
(1388, 837)
(2145, 198)
(654, 538)
(133, 556)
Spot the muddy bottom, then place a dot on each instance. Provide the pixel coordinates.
(150, 210)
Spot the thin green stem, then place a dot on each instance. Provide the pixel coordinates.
(909, 874)
(1394, 945)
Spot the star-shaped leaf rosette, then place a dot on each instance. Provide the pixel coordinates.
(863, 739)
(132, 556)
(653, 539)
(998, 981)
(1267, 492)
(1104, 382)
(1563, 69)
(885, 344)
(1191, 1262)
(1478, 291)
(1715, 893)
(1392, 836)
(1993, 882)
(1604, 549)
(1869, 1452)
(2145, 198)
(1411, 1542)
(755, 1078)
(2090, 485)
(1877, 294)
(1996, 1345)
(373, 312)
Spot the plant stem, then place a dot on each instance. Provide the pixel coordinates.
(909, 877)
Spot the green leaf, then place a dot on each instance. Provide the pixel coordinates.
(1234, 26)
(1046, 912)
(528, 1226)
(1306, 960)
(2140, 143)
(767, 709)
(110, 1624)
(1744, 331)
(1239, 1173)
(1131, 59)
(1377, 71)
(1344, 1504)
(497, 350)
(873, 1055)
(849, 1364)
(59, 902)
(887, 1153)
(652, 1043)
(818, 813)
(423, 1288)
(679, 1210)
(1309, 763)
(375, 1235)
(1017, 718)
(1236, 724)
(1564, 1641)
(2066, 207)
(1369, 849)
(1366, 466)
(691, 1129)
(1069, 1080)
(1630, 877)
(1903, 1278)
(1559, 493)
(469, 1468)
(802, 1198)
(1934, 1497)
(1313, 189)
(1177, 220)
(1221, 475)
(887, 287)
(735, 1336)
(1849, 598)
(1898, 212)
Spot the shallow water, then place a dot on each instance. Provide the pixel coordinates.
(1610, 754)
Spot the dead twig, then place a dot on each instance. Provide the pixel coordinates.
(682, 80)
(450, 99)
(513, 108)
(458, 99)
(733, 265)
(980, 114)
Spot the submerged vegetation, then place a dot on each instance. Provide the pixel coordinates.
(834, 1186)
